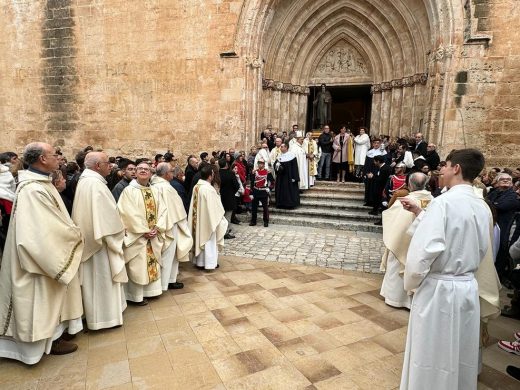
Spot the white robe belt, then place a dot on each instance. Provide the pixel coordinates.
(455, 278)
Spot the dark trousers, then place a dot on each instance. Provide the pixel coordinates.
(265, 206)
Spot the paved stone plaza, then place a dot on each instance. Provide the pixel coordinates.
(252, 324)
(345, 250)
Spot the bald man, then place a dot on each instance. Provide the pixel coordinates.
(102, 267)
(41, 258)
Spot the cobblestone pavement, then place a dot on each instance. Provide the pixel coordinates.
(346, 250)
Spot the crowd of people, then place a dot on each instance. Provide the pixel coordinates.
(82, 239)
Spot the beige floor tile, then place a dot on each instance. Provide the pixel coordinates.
(278, 333)
(227, 313)
(251, 340)
(328, 321)
(303, 327)
(309, 310)
(368, 350)
(251, 308)
(188, 354)
(14, 372)
(280, 377)
(217, 303)
(72, 376)
(288, 315)
(221, 348)
(171, 324)
(394, 341)
(373, 376)
(343, 359)
(295, 349)
(209, 332)
(162, 312)
(107, 354)
(199, 319)
(316, 369)
(321, 341)
(187, 298)
(263, 320)
(337, 382)
(241, 299)
(145, 346)
(198, 376)
(108, 375)
(104, 337)
(350, 333)
(139, 330)
(179, 337)
(193, 308)
(149, 366)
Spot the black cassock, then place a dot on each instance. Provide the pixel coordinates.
(287, 179)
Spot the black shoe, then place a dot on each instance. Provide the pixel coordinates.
(175, 286)
(235, 221)
(266, 224)
(144, 302)
(514, 372)
(378, 223)
(252, 223)
(199, 267)
(229, 236)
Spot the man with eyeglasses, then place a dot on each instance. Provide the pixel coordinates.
(145, 218)
(179, 241)
(129, 170)
(41, 259)
(103, 265)
(506, 203)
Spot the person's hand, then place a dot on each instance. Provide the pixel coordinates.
(410, 205)
(151, 234)
(370, 175)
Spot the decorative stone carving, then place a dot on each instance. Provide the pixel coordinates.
(307, 91)
(295, 89)
(267, 84)
(278, 86)
(341, 60)
(287, 87)
(255, 63)
(397, 83)
(386, 86)
(408, 81)
(420, 78)
(375, 88)
(441, 53)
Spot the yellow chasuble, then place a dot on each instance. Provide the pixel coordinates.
(41, 257)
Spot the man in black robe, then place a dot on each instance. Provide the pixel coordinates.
(287, 179)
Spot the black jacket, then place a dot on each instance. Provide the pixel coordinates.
(228, 188)
(506, 203)
(433, 160)
(325, 142)
(188, 177)
(421, 148)
(181, 191)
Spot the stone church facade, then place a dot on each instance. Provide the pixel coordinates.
(138, 77)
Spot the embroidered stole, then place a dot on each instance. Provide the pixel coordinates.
(151, 217)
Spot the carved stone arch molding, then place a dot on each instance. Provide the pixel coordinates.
(391, 41)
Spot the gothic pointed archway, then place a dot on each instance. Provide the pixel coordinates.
(402, 49)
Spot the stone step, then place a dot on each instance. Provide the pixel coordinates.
(323, 213)
(324, 223)
(324, 183)
(333, 204)
(336, 190)
(325, 196)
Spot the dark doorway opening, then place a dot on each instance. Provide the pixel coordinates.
(350, 107)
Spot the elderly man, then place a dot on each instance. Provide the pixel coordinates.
(313, 153)
(177, 182)
(103, 266)
(420, 145)
(432, 157)
(396, 221)
(191, 170)
(206, 221)
(506, 203)
(177, 249)
(145, 219)
(275, 153)
(41, 257)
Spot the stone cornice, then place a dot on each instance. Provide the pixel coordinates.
(405, 82)
(285, 87)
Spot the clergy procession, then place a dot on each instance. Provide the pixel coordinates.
(131, 224)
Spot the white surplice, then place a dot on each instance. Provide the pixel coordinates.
(451, 238)
(264, 155)
(301, 159)
(361, 147)
(102, 270)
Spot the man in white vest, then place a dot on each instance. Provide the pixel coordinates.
(102, 271)
(41, 257)
(178, 249)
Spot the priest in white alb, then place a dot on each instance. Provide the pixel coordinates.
(396, 222)
(263, 154)
(41, 257)
(206, 221)
(274, 154)
(102, 271)
(296, 147)
(313, 153)
(446, 256)
(177, 249)
(144, 217)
